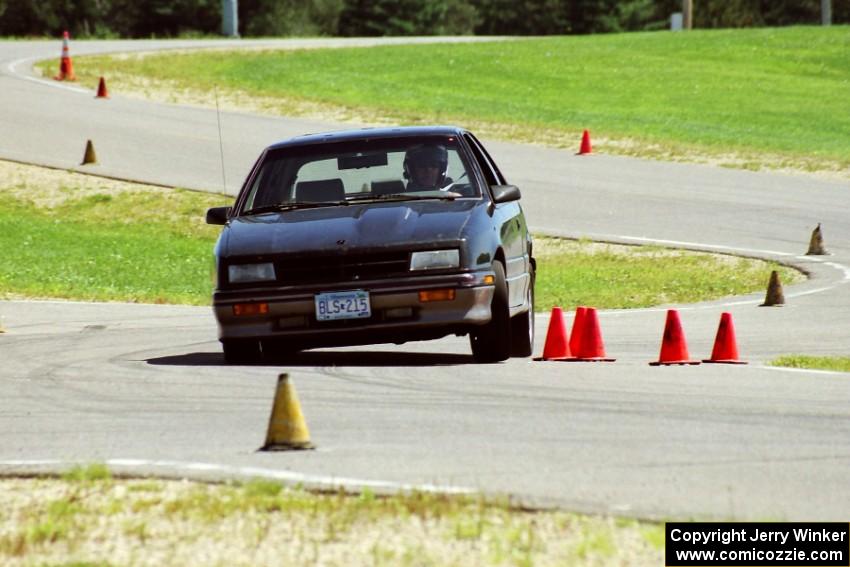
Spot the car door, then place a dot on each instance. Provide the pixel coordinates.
(511, 221)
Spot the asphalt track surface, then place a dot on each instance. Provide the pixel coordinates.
(144, 388)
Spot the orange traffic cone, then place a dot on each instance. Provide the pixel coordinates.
(557, 345)
(591, 348)
(578, 326)
(101, 89)
(725, 346)
(585, 144)
(66, 67)
(674, 348)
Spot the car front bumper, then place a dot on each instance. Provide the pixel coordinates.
(398, 315)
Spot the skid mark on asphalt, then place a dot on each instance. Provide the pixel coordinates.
(63, 383)
(720, 463)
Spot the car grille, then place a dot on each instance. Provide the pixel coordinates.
(341, 268)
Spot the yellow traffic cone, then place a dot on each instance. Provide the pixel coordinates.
(816, 243)
(89, 157)
(774, 291)
(287, 429)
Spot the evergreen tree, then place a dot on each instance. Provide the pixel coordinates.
(289, 17)
(522, 17)
(24, 17)
(639, 15)
(164, 18)
(728, 14)
(791, 12)
(406, 17)
(593, 16)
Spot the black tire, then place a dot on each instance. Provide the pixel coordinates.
(241, 351)
(492, 342)
(522, 327)
(278, 350)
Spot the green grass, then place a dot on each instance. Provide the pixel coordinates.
(100, 244)
(770, 96)
(88, 474)
(50, 521)
(615, 277)
(836, 363)
(80, 237)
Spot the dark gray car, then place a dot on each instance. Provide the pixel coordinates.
(374, 236)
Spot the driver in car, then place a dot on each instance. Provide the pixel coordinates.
(425, 168)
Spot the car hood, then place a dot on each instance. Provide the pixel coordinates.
(366, 225)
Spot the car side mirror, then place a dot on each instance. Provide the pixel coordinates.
(218, 215)
(505, 193)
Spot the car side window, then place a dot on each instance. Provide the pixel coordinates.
(491, 173)
(499, 176)
(490, 160)
(270, 185)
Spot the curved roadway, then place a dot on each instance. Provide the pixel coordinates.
(144, 387)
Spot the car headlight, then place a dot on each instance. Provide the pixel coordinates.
(435, 260)
(244, 273)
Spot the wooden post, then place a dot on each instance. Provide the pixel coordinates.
(688, 14)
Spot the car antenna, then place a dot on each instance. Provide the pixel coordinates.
(220, 143)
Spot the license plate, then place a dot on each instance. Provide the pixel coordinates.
(343, 305)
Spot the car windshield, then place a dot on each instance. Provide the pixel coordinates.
(331, 174)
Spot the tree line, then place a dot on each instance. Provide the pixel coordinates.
(257, 18)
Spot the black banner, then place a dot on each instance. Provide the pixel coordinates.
(763, 544)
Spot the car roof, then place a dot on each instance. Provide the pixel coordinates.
(368, 134)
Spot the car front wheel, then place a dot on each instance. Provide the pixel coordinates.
(522, 327)
(492, 342)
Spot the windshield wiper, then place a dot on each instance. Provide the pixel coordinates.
(278, 207)
(406, 197)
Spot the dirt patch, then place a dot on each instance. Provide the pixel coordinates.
(49, 188)
(545, 246)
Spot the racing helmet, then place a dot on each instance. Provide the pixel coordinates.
(424, 156)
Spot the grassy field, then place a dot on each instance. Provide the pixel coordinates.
(836, 363)
(748, 98)
(89, 518)
(74, 236)
(619, 277)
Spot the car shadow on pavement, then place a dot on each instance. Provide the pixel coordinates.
(323, 358)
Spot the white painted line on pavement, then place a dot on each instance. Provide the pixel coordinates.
(12, 68)
(750, 251)
(98, 303)
(841, 267)
(30, 463)
(806, 370)
(288, 476)
(707, 246)
(816, 290)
